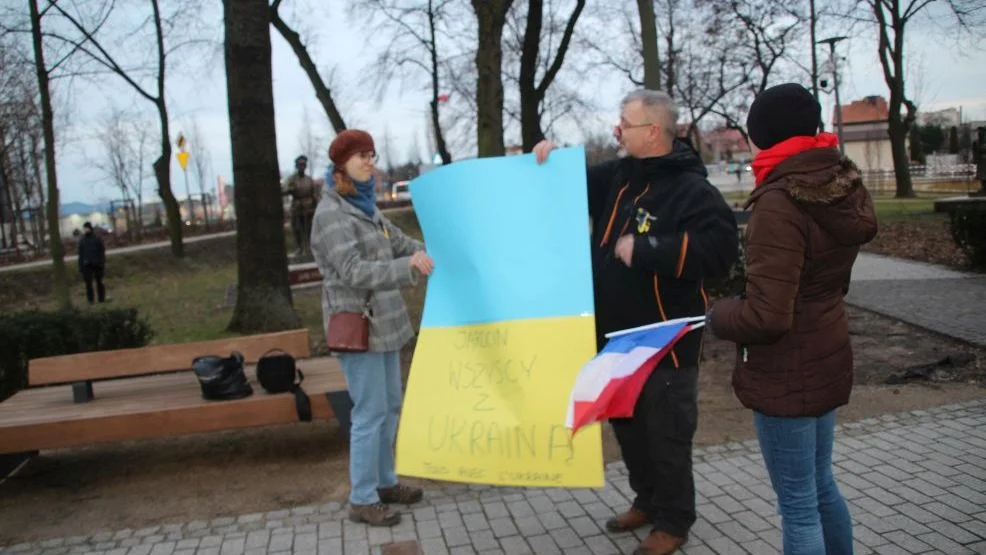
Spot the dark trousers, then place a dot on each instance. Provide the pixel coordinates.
(301, 225)
(90, 274)
(657, 448)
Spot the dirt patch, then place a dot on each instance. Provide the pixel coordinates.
(923, 239)
(137, 484)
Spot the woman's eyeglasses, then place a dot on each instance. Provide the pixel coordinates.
(369, 156)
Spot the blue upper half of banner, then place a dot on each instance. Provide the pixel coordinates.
(509, 236)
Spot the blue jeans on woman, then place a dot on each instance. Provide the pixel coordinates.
(374, 382)
(798, 452)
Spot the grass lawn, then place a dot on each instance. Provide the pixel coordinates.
(887, 207)
(183, 300)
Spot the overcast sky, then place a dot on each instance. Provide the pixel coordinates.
(940, 78)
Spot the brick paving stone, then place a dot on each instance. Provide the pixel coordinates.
(484, 540)
(515, 545)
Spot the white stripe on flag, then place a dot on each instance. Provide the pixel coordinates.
(603, 369)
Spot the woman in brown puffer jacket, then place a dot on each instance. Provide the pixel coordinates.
(811, 213)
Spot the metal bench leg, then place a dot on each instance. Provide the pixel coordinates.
(10, 462)
(342, 406)
(82, 392)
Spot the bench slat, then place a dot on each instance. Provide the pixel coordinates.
(153, 407)
(122, 363)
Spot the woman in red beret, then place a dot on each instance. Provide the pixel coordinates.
(365, 260)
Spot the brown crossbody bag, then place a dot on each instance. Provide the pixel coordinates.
(349, 332)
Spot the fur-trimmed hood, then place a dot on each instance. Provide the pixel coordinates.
(829, 188)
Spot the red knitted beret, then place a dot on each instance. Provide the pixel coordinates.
(349, 143)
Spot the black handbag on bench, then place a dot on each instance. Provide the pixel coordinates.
(222, 378)
(277, 373)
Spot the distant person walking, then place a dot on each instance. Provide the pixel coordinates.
(92, 263)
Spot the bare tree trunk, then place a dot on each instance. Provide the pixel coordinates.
(322, 90)
(813, 26)
(47, 121)
(648, 41)
(162, 166)
(39, 186)
(263, 300)
(530, 103)
(435, 121)
(670, 74)
(892, 60)
(491, 16)
(532, 94)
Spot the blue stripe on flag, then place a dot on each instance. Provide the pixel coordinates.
(654, 337)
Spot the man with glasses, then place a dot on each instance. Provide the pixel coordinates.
(304, 199)
(660, 231)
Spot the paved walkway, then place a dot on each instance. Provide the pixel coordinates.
(915, 482)
(932, 297)
(115, 251)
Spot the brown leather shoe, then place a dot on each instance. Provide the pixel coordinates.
(400, 494)
(659, 543)
(376, 514)
(627, 522)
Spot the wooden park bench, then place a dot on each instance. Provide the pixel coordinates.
(151, 392)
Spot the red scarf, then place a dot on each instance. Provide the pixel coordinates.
(766, 160)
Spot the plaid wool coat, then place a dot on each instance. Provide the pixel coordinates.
(359, 255)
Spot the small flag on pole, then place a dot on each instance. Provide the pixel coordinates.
(608, 385)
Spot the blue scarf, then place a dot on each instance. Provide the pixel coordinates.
(366, 193)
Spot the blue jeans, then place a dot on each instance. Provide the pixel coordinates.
(798, 453)
(374, 382)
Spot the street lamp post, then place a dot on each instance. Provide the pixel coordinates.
(831, 41)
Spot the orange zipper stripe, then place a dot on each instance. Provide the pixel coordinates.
(682, 255)
(612, 216)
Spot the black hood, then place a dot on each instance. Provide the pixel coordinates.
(681, 159)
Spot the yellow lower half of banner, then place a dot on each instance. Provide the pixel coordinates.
(487, 403)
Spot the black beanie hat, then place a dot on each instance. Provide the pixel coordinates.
(782, 112)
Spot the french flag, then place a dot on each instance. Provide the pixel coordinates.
(608, 385)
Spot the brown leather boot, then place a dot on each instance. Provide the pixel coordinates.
(659, 543)
(629, 521)
(376, 514)
(400, 494)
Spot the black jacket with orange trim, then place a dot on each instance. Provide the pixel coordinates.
(685, 236)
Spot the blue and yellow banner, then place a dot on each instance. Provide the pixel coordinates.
(507, 325)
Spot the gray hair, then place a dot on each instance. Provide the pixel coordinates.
(660, 105)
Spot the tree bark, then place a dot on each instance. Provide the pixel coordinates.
(491, 16)
(47, 122)
(263, 301)
(530, 102)
(322, 90)
(892, 60)
(648, 41)
(435, 121)
(532, 94)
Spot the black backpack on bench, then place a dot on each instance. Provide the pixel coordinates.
(222, 378)
(277, 373)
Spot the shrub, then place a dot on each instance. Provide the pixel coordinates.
(968, 225)
(35, 334)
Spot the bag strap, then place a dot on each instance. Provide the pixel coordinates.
(274, 350)
(302, 404)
